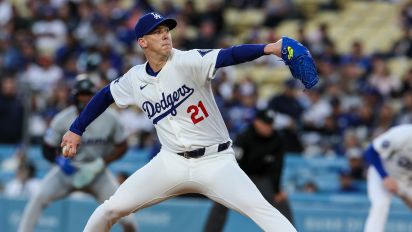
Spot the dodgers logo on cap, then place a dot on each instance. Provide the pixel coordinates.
(150, 21)
(156, 15)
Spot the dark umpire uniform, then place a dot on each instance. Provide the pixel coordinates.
(260, 154)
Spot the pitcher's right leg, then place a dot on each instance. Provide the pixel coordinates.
(158, 180)
(105, 186)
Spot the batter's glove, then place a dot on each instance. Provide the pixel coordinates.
(65, 165)
(300, 62)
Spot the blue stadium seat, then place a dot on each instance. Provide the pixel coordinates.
(324, 172)
(6, 176)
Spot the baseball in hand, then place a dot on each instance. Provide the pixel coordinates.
(65, 150)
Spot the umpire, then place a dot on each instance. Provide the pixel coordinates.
(259, 152)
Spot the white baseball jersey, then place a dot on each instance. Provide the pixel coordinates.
(395, 150)
(179, 100)
(180, 103)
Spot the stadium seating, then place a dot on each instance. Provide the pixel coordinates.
(297, 169)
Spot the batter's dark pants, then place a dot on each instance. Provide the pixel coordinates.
(218, 213)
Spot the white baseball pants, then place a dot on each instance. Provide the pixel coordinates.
(380, 200)
(216, 176)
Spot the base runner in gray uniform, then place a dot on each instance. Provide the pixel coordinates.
(103, 143)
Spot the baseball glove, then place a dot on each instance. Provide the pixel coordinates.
(300, 62)
(65, 165)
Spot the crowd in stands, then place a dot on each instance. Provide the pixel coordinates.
(44, 44)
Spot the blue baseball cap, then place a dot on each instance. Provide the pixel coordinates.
(150, 21)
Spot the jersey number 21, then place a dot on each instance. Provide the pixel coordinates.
(193, 110)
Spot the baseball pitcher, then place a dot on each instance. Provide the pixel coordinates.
(174, 89)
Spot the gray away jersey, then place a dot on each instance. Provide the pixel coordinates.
(98, 139)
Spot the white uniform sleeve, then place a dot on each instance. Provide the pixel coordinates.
(203, 63)
(122, 90)
(388, 142)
